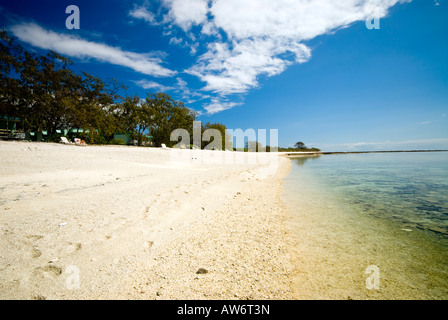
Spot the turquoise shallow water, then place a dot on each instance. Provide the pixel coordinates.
(407, 188)
(349, 212)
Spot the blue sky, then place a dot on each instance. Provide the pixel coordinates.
(311, 69)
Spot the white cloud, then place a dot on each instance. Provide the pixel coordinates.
(194, 48)
(185, 44)
(228, 70)
(144, 14)
(176, 41)
(186, 13)
(263, 37)
(80, 48)
(217, 105)
(147, 84)
(292, 19)
(238, 41)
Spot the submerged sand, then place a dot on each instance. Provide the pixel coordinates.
(343, 252)
(102, 222)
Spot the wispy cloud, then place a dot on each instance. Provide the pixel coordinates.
(190, 96)
(142, 12)
(80, 48)
(176, 41)
(217, 105)
(148, 84)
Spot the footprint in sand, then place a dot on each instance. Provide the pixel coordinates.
(50, 271)
(35, 253)
(75, 246)
(31, 243)
(34, 237)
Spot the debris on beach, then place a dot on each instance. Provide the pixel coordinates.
(202, 271)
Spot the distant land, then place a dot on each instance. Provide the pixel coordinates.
(350, 152)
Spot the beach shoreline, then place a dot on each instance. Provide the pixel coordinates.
(345, 251)
(116, 222)
(130, 223)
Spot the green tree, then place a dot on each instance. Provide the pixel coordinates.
(254, 146)
(49, 96)
(226, 139)
(300, 145)
(10, 66)
(127, 115)
(95, 108)
(44, 91)
(48, 88)
(143, 115)
(167, 115)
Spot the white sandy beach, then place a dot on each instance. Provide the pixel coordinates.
(102, 222)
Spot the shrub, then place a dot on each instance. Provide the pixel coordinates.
(119, 142)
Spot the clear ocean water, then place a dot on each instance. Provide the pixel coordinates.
(407, 188)
(349, 212)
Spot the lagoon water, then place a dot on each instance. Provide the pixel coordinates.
(349, 212)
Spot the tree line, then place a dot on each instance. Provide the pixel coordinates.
(299, 147)
(42, 90)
